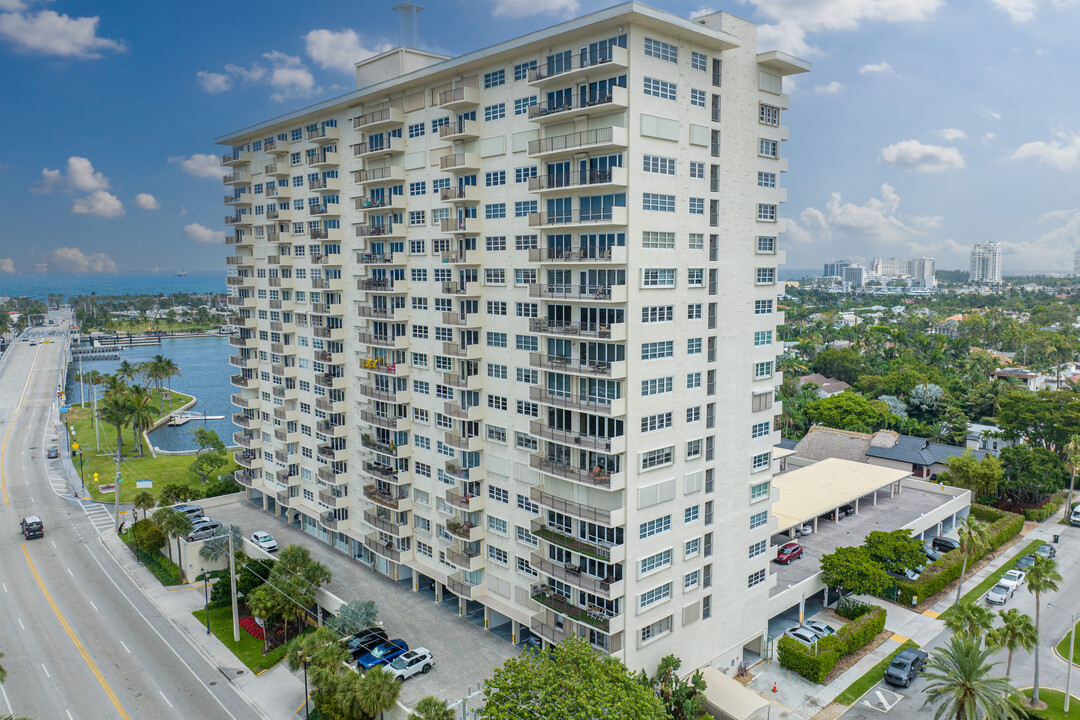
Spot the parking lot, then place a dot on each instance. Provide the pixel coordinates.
(465, 654)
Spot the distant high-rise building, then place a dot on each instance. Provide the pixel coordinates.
(1076, 263)
(986, 262)
(854, 275)
(921, 271)
(891, 267)
(835, 269)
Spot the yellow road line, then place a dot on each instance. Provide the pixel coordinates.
(14, 419)
(899, 638)
(931, 614)
(71, 634)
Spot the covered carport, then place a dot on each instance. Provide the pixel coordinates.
(824, 487)
(727, 699)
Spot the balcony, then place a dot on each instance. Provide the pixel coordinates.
(580, 65)
(238, 341)
(465, 559)
(598, 550)
(401, 342)
(564, 470)
(387, 230)
(614, 100)
(461, 98)
(457, 585)
(461, 226)
(608, 138)
(385, 146)
(381, 313)
(328, 521)
(322, 136)
(373, 444)
(384, 394)
(468, 503)
(463, 412)
(330, 382)
(329, 406)
(607, 587)
(245, 459)
(460, 162)
(240, 362)
(380, 285)
(395, 173)
(383, 421)
(236, 178)
(380, 366)
(461, 194)
(279, 215)
(466, 289)
(387, 549)
(465, 530)
(552, 600)
(597, 515)
(239, 158)
(239, 401)
(244, 440)
(463, 352)
(460, 129)
(399, 501)
(323, 158)
(276, 169)
(329, 184)
(610, 178)
(381, 471)
(379, 119)
(330, 453)
(578, 218)
(242, 420)
(245, 478)
(567, 364)
(387, 203)
(571, 438)
(465, 444)
(578, 329)
(586, 293)
(275, 147)
(240, 381)
(470, 382)
(381, 520)
(333, 476)
(461, 320)
(582, 403)
(232, 219)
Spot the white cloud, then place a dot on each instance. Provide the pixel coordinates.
(524, 8)
(7, 265)
(952, 134)
(339, 50)
(1019, 10)
(213, 82)
(73, 260)
(830, 89)
(794, 19)
(12, 5)
(702, 11)
(201, 165)
(146, 201)
(881, 67)
(50, 33)
(253, 74)
(203, 234)
(989, 114)
(988, 137)
(876, 221)
(80, 176)
(100, 203)
(913, 155)
(1063, 153)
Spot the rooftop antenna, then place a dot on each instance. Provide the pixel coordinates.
(408, 24)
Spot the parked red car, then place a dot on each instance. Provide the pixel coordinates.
(788, 552)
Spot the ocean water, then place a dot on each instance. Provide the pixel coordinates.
(204, 363)
(40, 286)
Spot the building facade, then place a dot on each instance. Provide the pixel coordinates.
(835, 269)
(986, 263)
(508, 327)
(854, 276)
(922, 272)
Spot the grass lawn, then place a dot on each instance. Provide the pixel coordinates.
(247, 651)
(979, 590)
(141, 325)
(871, 678)
(1055, 699)
(1063, 646)
(163, 470)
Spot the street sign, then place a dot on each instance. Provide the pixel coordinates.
(74, 446)
(144, 484)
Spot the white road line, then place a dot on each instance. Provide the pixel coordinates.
(73, 574)
(95, 606)
(164, 698)
(125, 647)
(5, 586)
(46, 670)
(54, 547)
(20, 623)
(11, 710)
(69, 715)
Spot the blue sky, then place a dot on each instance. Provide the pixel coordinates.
(924, 127)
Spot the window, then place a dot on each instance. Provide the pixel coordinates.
(525, 375)
(656, 629)
(759, 519)
(693, 380)
(651, 597)
(766, 244)
(697, 61)
(655, 458)
(697, 98)
(691, 579)
(527, 342)
(417, 130)
(693, 346)
(524, 208)
(438, 123)
(766, 179)
(759, 491)
(522, 174)
(760, 462)
(523, 566)
(655, 562)
(494, 79)
(657, 350)
(417, 188)
(651, 423)
(661, 89)
(755, 578)
(693, 449)
(658, 277)
(691, 548)
(440, 184)
(657, 313)
(495, 211)
(494, 276)
(769, 115)
(697, 206)
(496, 339)
(691, 514)
(495, 112)
(416, 247)
(770, 83)
(524, 503)
(656, 240)
(496, 402)
(496, 433)
(496, 371)
(658, 202)
(693, 414)
(496, 554)
(758, 548)
(697, 169)
(654, 527)
(766, 276)
(416, 217)
(526, 310)
(768, 148)
(521, 71)
(525, 242)
(760, 430)
(495, 244)
(497, 177)
(763, 337)
(763, 307)
(528, 409)
(658, 164)
(498, 494)
(522, 105)
(661, 50)
(763, 369)
(656, 386)
(766, 212)
(693, 310)
(523, 535)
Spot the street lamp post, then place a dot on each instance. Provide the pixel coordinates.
(1072, 645)
(206, 598)
(305, 660)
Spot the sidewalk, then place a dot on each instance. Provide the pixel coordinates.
(276, 693)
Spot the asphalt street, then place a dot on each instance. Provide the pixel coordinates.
(79, 639)
(907, 703)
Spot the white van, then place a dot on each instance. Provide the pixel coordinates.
(1074, 519)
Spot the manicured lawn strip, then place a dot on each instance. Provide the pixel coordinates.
(979, 590)
(871, 678)
(137, 326)
(1055, 700)
(1063, 646)
(249, 649)
(165, 570)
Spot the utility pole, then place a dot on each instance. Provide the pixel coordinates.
(116, 496)
(232, 588)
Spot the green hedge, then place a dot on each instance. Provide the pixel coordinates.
(166, 572)
(814, 664)
(1003, 526)
(851, 609)
(1046, 511)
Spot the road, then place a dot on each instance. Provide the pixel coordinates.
(907, 704)
(80, 641)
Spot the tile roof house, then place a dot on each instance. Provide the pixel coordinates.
(925, 459)
(826, 386)
(885, 448)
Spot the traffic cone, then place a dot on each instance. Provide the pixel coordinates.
(774, 687)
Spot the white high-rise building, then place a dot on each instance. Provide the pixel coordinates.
(508, 326)
(854, 275)
(1076, 263)
(986, 263)
(922, 272)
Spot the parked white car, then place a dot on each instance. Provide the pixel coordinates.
(264, 541)
(417, 660)
(1013, 579)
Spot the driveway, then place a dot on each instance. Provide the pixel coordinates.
(464, 653)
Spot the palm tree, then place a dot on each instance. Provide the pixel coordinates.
(216, 546)
(174, 525)
(376, 691)
(1072, 451)
(324, 649)
(127, 371)
(1041, 577)
(974, 539)
(144, 501)
(142, 413)
(355, 616)
(264, 603)
(1016, 632)
(114, 384)
(170, 369)
(432, 708)
(960, 686)
(115, 410)
(970, 619)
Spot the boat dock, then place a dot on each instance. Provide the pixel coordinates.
(183, 418)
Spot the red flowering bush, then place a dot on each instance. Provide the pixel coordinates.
(253, 628)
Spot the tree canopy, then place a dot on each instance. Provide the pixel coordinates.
(1044, 419)
(1031, 474)
(981, 477)
(895, 551)
(854, 569)
(850, 411)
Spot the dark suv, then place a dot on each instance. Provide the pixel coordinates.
(944, 544)
(364, 642)
(905, 667)
(32, 527)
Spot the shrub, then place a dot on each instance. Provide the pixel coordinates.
(166, 572)
(220, 595)
(860, 631)
(796, 657)
(1046, 511)
(850, 609)
(149, 537)
(225, 486)
(253, 574)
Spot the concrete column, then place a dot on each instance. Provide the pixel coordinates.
(438, 591)
(487, 618)
(416, 582)
(515, 631)
(875, 498)
(856, 506)
(462, 606)
(815, 525)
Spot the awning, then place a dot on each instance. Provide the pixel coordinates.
(728, 699)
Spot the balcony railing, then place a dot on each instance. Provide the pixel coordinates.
(384, 523)
(584, 178)
(576, 401)
(608, 216)
(381, 497)
(387, 549)
(564, 363)
(560, 468)
(553, 600)
(597, 550)
(614, 98)
(580, 61)
(567, 327)
(574, 575)
(581, 139)
(578, 510)
(382, 116)
(540, 429)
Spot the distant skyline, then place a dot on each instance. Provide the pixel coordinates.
(925, 127)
